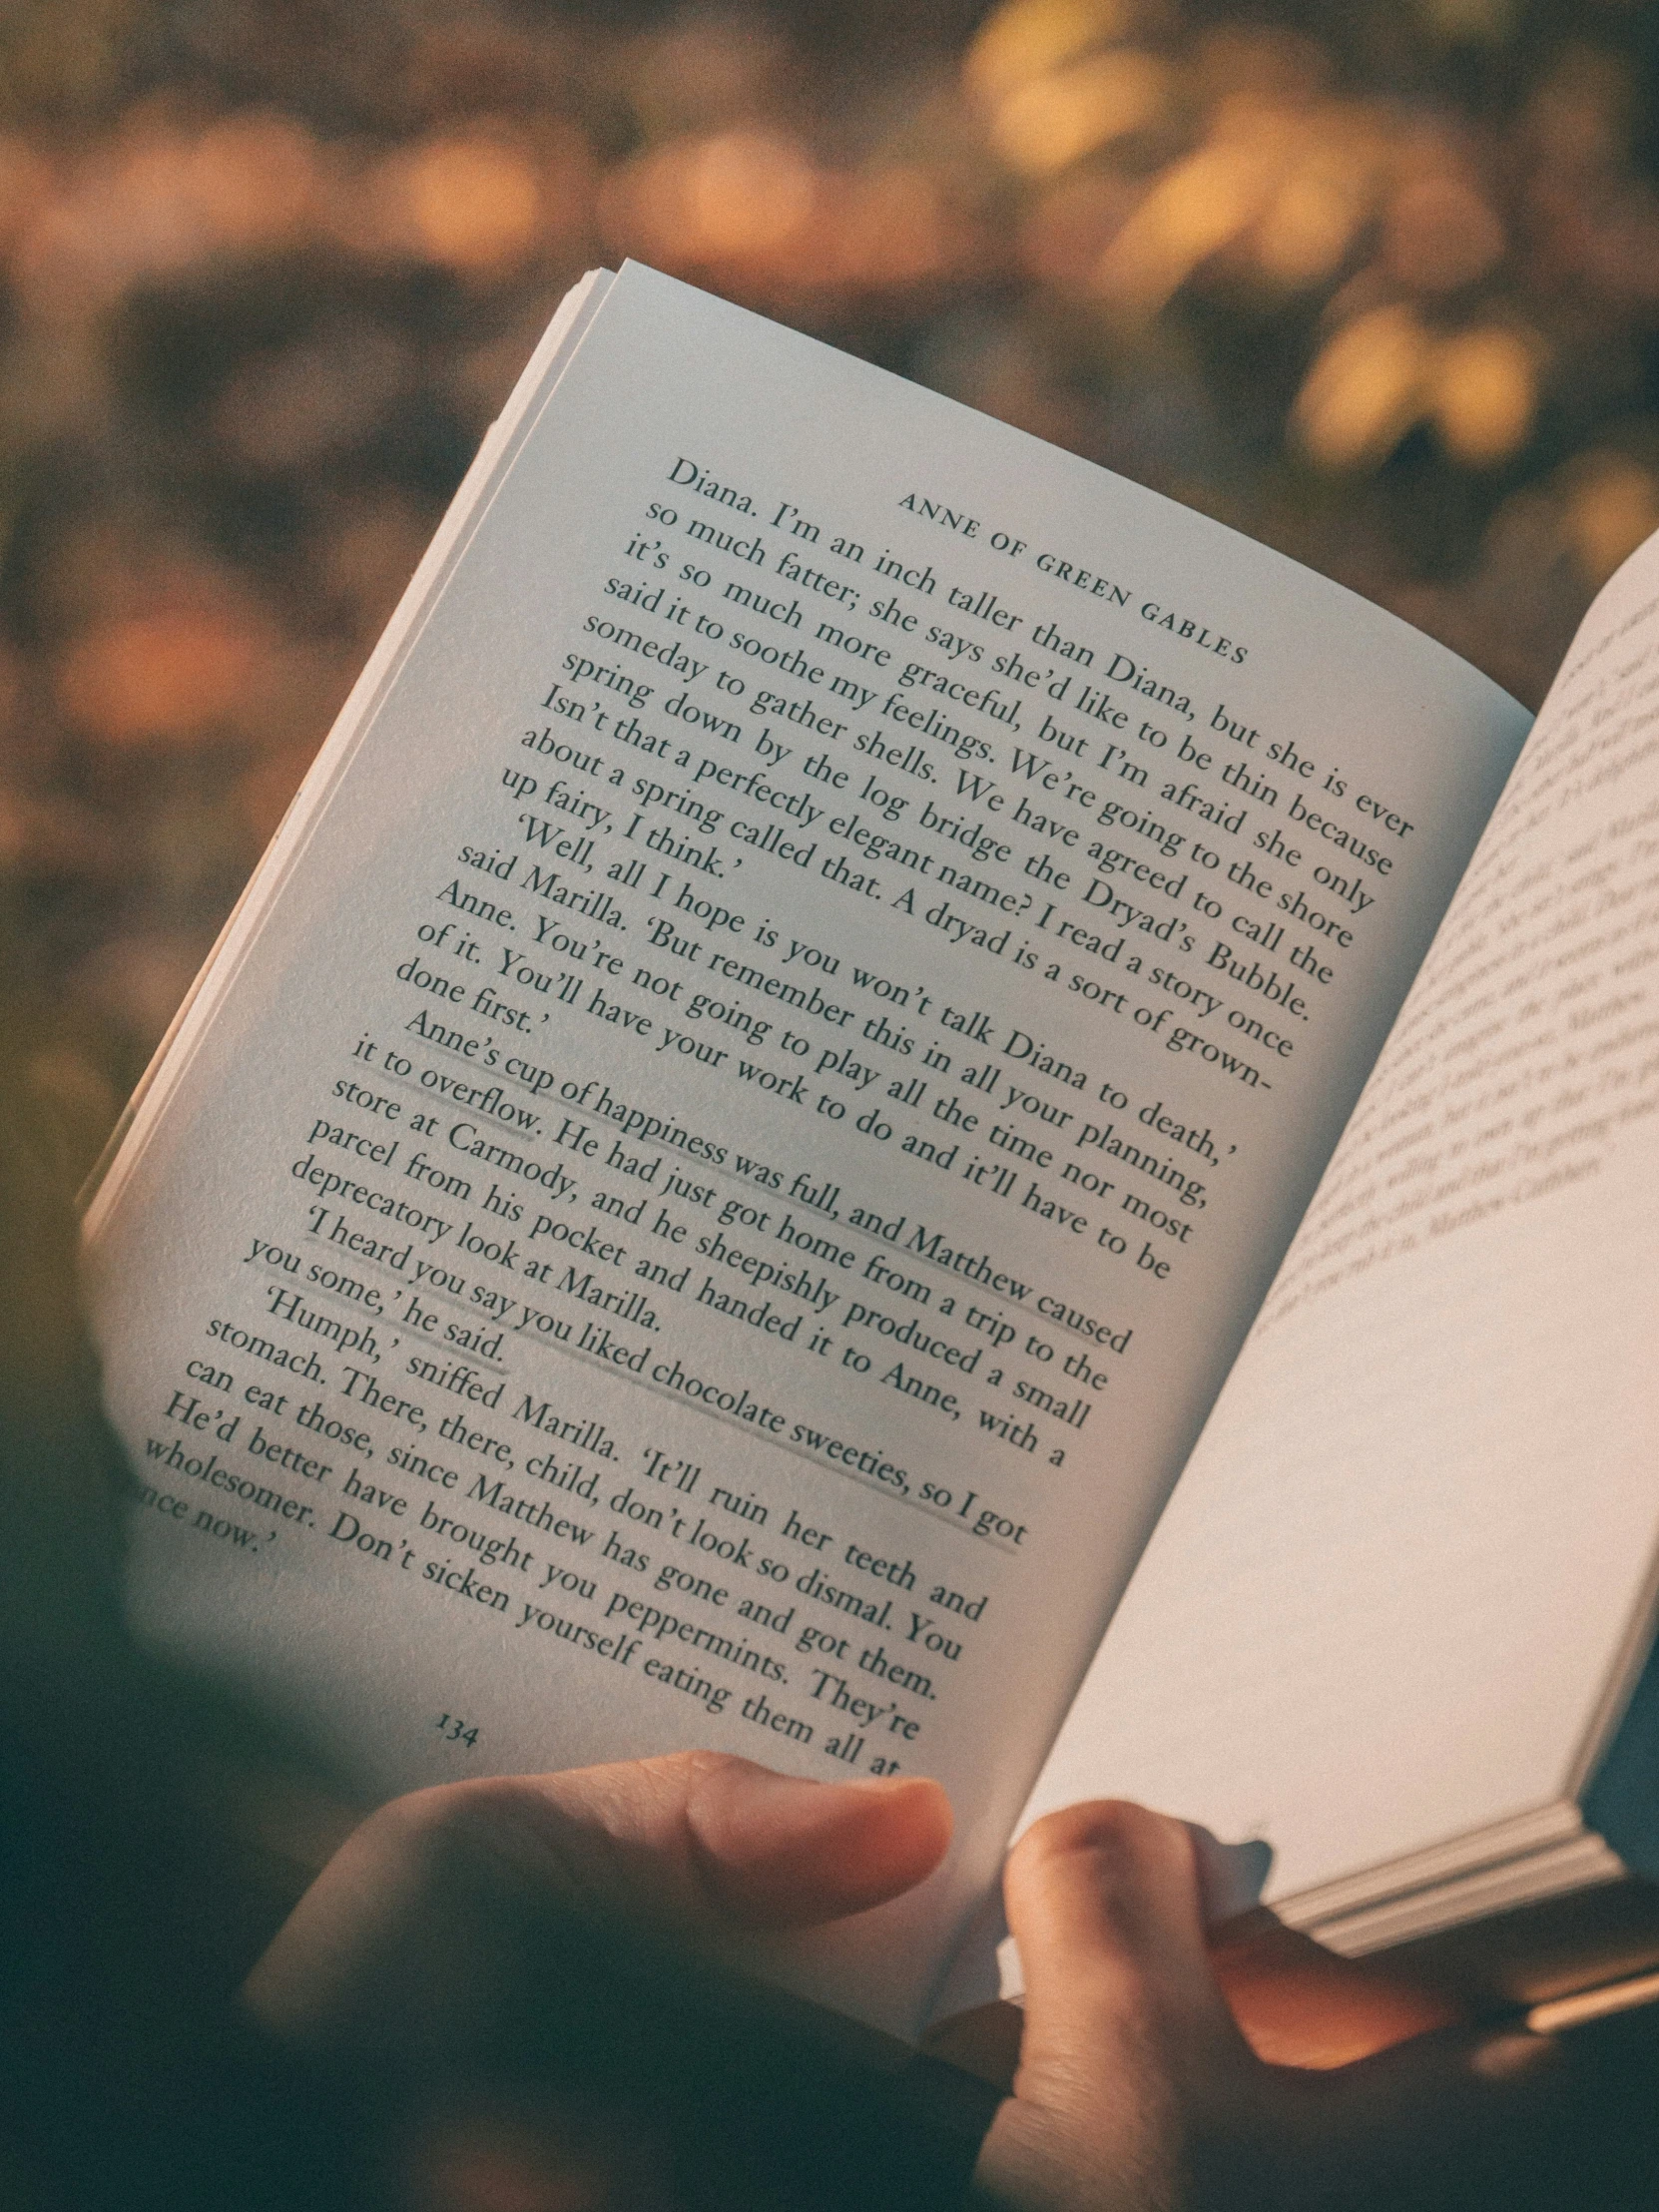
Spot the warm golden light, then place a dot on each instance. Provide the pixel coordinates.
(1610, 509)
(1193, 211)
(1485, 394)
(1027, 38)
(255, 178)
(169, 675)
(1066, 232)
(471, 203)
(733, 196)
(1313, 219)
(1365, 389)
(1441, 233)
(747, 191)
(237, 400)
(889, 228)
(25, 181)
(1055, 120)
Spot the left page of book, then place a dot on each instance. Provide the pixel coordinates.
(713, 1182)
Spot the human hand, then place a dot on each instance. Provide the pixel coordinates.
(411, 1939)
(1138, 2088)
(525, 1974)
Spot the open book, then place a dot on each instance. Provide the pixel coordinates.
(753, 1107)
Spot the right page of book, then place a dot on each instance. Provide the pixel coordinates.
(1401, 1587)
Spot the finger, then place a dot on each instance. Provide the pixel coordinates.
(545, 1926)
(702, 1840)
(429, 1904)
(1104, 1901)
(1129, 2048)
(690, 1844)
(1300, 2005)
(778, 1852)
(1297, 2004)
(985, 2041)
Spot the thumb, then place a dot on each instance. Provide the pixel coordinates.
(427, 1909)
(1127, 2037)
(1105, 1903)
(773, 1850)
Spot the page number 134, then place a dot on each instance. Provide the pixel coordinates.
(457, 1731)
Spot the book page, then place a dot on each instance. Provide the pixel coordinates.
(1400, 1591)
(797, 1024)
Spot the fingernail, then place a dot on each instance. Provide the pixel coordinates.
(761, 1793)
(745, 1812)
(1231, 1877)
(781, 1851)
(766, 1781)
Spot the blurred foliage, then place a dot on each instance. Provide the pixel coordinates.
(1375, 281)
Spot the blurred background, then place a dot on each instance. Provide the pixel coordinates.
(1375, 281)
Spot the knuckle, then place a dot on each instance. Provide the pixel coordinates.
(1142, 1846)
(1119, 1856)
(1123, 1833)
(683, 1784)
(693, 1766)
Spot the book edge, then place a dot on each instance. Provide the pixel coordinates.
(496, 451)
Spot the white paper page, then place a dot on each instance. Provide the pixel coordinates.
(766, 948)
(1401, 1586)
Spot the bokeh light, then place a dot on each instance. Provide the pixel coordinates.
(1376, 282)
